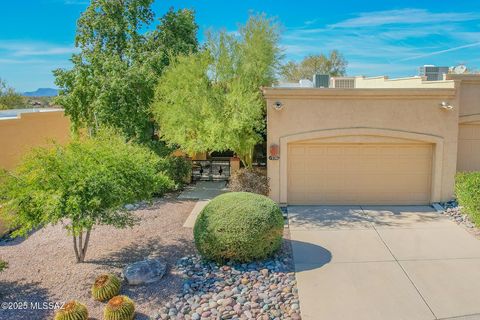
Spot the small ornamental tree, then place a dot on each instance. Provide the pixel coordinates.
(82, 184)
(211, 100)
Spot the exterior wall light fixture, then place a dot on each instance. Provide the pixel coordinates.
(446, 106)
(278, 105)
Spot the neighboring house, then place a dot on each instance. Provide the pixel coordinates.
(398, 141)
(23, 129)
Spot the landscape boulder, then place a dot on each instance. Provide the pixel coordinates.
(145, 271)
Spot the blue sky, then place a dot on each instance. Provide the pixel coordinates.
(377, 37)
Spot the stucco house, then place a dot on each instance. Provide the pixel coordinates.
(398, 141)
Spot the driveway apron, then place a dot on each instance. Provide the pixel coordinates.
(370, 262)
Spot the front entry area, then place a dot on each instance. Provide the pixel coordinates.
(359, 173)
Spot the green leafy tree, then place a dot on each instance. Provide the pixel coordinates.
(82, 184)
(9, 99)
(211, 100)
(334, 65)
(118, 65)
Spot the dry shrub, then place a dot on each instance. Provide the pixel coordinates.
(253, 180)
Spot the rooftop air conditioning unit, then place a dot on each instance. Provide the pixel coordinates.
(433, 73)
(321, 81)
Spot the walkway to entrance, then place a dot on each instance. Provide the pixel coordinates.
(203, 191)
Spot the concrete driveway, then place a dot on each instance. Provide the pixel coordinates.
(383, 263)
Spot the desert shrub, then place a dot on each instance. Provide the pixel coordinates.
(239, 226)
(253, 180)
(3, 265)
(163, 185)
(177, 169)
(83, 184)
(467, 190)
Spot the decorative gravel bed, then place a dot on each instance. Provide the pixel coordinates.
(454, 211)
(258, 290)
(42, 267)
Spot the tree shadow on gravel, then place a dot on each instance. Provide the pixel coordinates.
(141, 250)
(152, 294)
(24, 300)
(7, 240)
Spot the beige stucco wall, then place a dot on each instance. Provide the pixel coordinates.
(18, 136)
(469, 133)
(412, 114)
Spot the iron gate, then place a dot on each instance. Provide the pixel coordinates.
(207, 170)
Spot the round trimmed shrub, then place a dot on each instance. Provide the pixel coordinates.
(239, 226)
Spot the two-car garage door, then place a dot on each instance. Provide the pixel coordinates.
(359, 173)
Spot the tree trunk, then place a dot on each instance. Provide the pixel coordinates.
(247, 158)
(75, 247)
(80, 245)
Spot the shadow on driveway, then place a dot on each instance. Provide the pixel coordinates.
(318, 255)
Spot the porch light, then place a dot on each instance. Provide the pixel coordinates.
(445, 105)
(278, 105)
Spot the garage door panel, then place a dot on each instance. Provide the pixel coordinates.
(360, 174)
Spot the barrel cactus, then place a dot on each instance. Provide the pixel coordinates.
(106, 287)
(119, 308)
(72, 310)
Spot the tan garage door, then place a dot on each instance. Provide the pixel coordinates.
(359, 173)
(469, 147)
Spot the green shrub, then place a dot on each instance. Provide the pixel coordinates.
(160, 147)
(164, 185)
(249, 180)
(239, 226)
(467, 190)
(3, 265)
(84, 183)
(178, 169)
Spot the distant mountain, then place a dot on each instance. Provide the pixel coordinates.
(42, 92)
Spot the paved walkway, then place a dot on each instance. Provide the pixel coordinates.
(384, 263)
(203, 191)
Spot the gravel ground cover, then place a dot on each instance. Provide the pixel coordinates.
(454, 211)
(257, 290)
(42, 268)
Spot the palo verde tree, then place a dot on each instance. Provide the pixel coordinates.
(82, 184)
(114, 74)
(211, 100)
(334, 65)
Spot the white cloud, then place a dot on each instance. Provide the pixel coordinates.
(476, 44)
(76, 2)
(29, 48)
(392, 42)
(403, 16)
